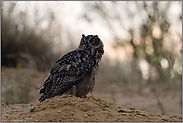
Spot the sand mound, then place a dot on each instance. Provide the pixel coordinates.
(69, 108)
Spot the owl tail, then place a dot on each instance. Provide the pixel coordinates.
(41, 90)
(42, 98)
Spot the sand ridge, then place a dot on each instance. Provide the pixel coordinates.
(69, 108)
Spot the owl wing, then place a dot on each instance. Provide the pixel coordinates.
(66, 72)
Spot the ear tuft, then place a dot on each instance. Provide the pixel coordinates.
(96, 36)
(83, 35)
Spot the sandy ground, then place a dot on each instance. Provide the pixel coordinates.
(68, 108)
(121, 95)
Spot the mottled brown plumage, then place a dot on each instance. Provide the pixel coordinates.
(76, 71)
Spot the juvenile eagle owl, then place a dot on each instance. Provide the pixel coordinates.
(76, 71)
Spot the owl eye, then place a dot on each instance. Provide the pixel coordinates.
(83, 42)
(92, 41)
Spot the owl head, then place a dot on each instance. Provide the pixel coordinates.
(91, 42)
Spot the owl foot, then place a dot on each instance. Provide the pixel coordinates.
(71, 91)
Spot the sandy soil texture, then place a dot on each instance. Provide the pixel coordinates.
(69, 108)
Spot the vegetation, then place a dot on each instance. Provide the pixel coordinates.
(18, 92)
(151, 40)
(23, 45)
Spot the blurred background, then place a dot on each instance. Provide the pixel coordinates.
(142, 64)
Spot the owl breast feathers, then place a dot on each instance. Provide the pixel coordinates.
(76, 71)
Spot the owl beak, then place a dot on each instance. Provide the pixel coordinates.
(87, 46)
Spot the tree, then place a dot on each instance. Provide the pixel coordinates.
(150, 32)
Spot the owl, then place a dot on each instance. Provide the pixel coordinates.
(76, 71)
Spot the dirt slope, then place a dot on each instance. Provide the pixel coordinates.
(69, 108)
